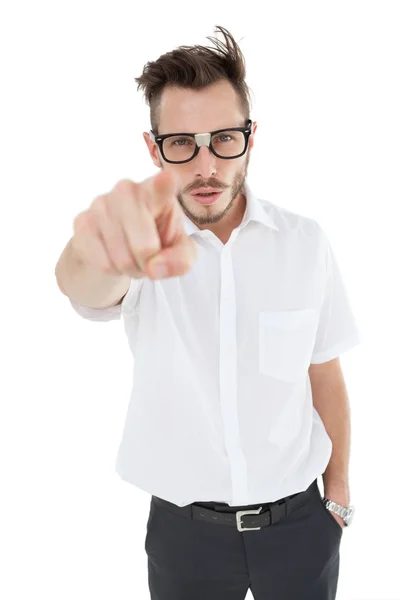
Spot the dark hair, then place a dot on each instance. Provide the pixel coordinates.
(195, 67)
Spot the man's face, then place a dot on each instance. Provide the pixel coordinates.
(201, 111)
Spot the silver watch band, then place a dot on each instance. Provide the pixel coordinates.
(346, 513)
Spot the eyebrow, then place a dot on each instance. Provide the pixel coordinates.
(197, 132)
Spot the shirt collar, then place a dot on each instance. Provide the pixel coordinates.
(255, 211)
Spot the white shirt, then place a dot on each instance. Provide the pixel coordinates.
(221, 407)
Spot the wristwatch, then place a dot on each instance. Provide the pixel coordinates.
(346, 513)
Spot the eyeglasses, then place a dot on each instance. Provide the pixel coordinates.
(178, 148)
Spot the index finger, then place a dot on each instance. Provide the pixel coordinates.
(161, 191)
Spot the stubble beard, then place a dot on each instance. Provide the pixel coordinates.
(208, 215)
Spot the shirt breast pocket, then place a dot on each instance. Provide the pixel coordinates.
(286, 342)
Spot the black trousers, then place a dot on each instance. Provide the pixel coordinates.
(296, 558)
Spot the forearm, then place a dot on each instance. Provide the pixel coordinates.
(331, 401)
(86, 285)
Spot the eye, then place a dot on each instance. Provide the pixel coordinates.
(225, 136)
(180, 142)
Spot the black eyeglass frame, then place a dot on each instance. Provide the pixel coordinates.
(203, 139)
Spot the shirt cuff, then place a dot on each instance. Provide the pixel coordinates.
(336, 350)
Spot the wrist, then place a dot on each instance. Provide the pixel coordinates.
(338, 492)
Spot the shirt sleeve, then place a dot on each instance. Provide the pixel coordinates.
(128, 306)
(337, 328)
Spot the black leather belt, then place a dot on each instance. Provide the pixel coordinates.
(244, 520)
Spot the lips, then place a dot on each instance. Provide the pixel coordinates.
(206, 190)
(211, 199)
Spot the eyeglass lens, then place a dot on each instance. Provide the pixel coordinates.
(225, 143)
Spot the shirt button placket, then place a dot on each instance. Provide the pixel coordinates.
(228, 380)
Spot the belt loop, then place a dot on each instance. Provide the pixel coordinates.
(286, 507)
(274, 509)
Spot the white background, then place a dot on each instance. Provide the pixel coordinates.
(325, 81)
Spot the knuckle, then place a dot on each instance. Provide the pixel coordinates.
(128, 268)
(122, 256)
(78, 220)
(115, 264)
(99, 204)
(144, 252)
(125, 264)
(106, 267)
(83, 221)
(125, 186)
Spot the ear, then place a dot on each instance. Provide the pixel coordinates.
(251, 140)
(153, 150)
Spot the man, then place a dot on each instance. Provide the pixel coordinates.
(239, 403)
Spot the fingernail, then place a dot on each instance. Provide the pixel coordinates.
(159, 269)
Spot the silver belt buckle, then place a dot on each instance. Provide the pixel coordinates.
(239, 516)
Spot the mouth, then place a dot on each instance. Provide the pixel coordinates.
(206, 197)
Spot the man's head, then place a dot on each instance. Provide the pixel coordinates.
(200, 90)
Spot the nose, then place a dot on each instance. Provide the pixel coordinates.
(205, 163)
